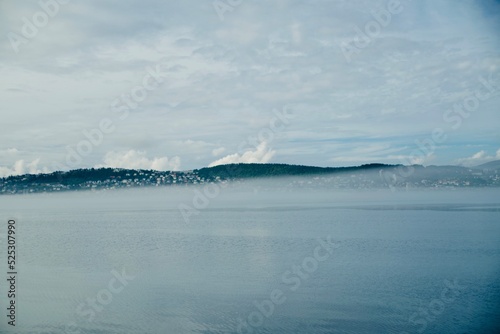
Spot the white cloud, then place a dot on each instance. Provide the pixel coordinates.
(478, 158)
(21, 167)
(261, 154)
(138, 160)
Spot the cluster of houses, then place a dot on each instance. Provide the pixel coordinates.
(29, 184)
(108, 179)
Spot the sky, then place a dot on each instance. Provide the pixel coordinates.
(180, 85)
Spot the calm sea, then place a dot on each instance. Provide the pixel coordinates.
(250, 260)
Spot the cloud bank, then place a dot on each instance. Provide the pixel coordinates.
(138, 160)
(261, 154)
(478, 158)
(21, 167)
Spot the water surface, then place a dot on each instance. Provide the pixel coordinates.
(396, 255)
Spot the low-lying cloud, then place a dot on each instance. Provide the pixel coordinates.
(21, 167)
(261, 154)
(138, 160)
(479, 158)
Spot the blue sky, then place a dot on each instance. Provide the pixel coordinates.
(186, 84)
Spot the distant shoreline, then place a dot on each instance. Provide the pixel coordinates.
(365, 176)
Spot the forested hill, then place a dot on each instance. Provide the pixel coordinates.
(365, 176)
(269, 170)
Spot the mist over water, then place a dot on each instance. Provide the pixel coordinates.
(345, 261)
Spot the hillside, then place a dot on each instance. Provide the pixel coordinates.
(492, 165)
(365, 176)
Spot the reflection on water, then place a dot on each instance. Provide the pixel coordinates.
(127, 262)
